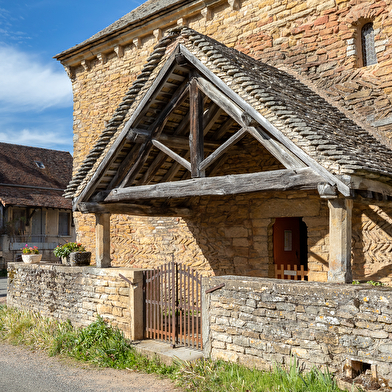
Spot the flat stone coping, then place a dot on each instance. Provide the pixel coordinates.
(153, 348)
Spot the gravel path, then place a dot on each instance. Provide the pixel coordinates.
(22, 370)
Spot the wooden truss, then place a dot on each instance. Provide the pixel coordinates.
(179, 137)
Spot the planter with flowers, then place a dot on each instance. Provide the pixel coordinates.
(31, 255)
(72, 253)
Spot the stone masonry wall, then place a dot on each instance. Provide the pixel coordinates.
(226, 235)
(259, 322)
(372, 241)
(315, 40)
(79, 294)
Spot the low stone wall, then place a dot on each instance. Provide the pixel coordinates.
(259, 322)
(79, 294)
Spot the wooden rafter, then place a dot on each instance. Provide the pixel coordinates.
(155, 130)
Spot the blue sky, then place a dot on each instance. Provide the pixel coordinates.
(35, 91)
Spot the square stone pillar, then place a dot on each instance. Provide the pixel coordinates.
(340, 229)
(102, 240)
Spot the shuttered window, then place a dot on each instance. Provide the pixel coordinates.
(369, 56)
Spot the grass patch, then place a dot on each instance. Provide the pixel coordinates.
(105, 346)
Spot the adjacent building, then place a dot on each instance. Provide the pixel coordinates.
(32, 208)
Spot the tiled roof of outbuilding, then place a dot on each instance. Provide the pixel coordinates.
(23, 182)
(323, 132)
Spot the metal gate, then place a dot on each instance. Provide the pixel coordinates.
(172, 300)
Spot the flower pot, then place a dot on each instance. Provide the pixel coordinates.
(65, 260)
(80, 258)
(31, 258)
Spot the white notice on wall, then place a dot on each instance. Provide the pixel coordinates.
(288, 240)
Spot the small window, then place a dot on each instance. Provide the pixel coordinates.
(369, 56)
(64, 223)
(40, 164)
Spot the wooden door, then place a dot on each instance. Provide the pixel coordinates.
(290, 249)
(287, 244)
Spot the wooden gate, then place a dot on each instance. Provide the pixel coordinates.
(291, 272)
(172, 298)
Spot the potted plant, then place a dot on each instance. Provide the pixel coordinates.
(31, 255)
(72, 253)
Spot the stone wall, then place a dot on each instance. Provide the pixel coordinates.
(79, 294)
(259, 322)
(372, 241)
(316, 40)
(226, 235)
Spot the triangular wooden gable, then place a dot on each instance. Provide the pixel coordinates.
(177, 139)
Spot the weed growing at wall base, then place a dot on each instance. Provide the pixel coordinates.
(106, 346)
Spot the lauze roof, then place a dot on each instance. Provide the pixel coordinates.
(35, 177)
(199, 108)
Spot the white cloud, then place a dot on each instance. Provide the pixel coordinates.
(50, 129)
(29, 85)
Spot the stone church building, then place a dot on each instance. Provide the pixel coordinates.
(237, 136)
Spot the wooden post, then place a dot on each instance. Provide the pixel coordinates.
(196, 137)
(102, 240)
(340, 228)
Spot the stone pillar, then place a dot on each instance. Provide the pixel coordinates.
(102, 240)
(136, 305)
(340, 227)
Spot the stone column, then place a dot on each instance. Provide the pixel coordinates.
(340, 228)
(102, 240)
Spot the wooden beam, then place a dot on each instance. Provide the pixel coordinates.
(221, 100)
(121, 139)
(156, 130)
(125, 166)
(278, 150)
(153, 168)
(222, 149)
(279, 180)
(196, 136)
(173, 141)
(172, 154)
(132, 209)
(265, 124)
(362, 183)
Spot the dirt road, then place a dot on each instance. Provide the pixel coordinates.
(24, 371)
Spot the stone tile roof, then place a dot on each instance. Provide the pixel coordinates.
(23, 182)
(309, 121)
(139, 14)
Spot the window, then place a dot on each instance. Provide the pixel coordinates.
(64, 223)
(369, 56)
(40, 164)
